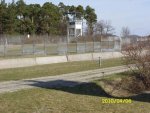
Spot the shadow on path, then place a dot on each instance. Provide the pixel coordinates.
(84, 88)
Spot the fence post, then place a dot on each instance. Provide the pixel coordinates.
(76, 46)
(57, 45)
(100, 62)
(45, 45)
(21, 38)
(67, 50)
(33, 46)
(100, 46)
(94, 45)
(5, 47)
(85, 48)
(100, 43)
(67, 56)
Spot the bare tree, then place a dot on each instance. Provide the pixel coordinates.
(125, 32)
(109, 29)
(139, 54)
(100, 27)
(104, 28)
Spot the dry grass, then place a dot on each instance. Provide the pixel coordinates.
(54, 69)
(80, 99)
(122, 85)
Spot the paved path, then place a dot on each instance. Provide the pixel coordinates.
(69, 80)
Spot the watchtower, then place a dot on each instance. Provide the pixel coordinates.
(74, 26)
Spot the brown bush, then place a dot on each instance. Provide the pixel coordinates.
(139, 54)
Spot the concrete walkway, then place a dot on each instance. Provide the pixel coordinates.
(68, 80)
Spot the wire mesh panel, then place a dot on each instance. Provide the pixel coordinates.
(1, 50)
(62, 48)
(39, 45)
(11, 46)
(72, 48)
(107, 46)
(81, 47)
(39, 49)
(51, 48)
(53, 45)
(104, 45)
(1, 47)
(13, 50)
(111, 44)
(97, 47)
(117, 46)
(28, 45)
(28, 49)
(89, 46)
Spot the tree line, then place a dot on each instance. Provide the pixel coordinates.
(21, 18)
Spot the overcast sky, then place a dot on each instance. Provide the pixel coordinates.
(132, 13)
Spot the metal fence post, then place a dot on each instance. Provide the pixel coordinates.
(100, 62)
(93, 45)
(85, 48)
(5, 51)
(76, 46)
(4, 47)
(45, 45)
(67, 49)
(57, 47)
(22, 44)
(100, 43)
(33, 46)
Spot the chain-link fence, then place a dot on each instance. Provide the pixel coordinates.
(52, 45)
